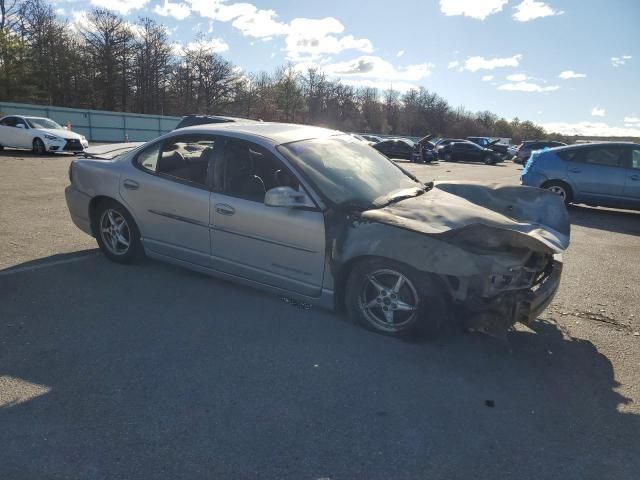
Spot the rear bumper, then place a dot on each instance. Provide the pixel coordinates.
(78, 205)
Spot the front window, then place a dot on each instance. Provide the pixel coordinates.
(42, 123)
(347, 172)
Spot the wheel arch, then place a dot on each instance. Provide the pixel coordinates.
(95, 202)
(571, 191)
(342, 275)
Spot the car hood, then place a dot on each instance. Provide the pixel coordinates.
(61, 133)
(484, 215)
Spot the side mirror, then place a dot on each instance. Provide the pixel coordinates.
(287, 197)
(19, 125)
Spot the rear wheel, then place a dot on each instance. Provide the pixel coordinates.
(393, 299)
(448, 157)
(489, 160)
(38, 147)
(117, 233)
(561, 189)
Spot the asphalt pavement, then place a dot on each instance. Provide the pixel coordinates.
(150, 371)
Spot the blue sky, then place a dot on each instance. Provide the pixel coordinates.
(570, 65)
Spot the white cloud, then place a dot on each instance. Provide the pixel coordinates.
(453, 64)
(310, 39)
(179, 11)
(532, 9)
(214, 45)
(598, 112)
(517, 77)
(123, 7)
(79, 20)
(632, 119)
(619, 61)
(487, 78)
(399, 86)
(400, 53)
(527, 87)
(377, 69)
(591, 129)
(261, 24)
(567, 74)
(479, 9)
(474, 64)
(246, 17)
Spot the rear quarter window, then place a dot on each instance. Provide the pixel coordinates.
(568, 155)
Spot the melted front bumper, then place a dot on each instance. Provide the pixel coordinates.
(497, 314)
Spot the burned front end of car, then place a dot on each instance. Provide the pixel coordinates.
(511, 285)
(496, 249)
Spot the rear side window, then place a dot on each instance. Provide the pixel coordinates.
(635, 158)
(609, 157)
(8, 122)
(184, 158)
(568, 155)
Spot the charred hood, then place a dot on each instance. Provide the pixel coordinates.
(485, 215)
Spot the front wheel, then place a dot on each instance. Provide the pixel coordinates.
(489, 160)
(393, 299)
(448, 157)
(38, 147)
(117, 233)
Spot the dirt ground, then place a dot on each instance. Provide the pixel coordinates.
(150, 371)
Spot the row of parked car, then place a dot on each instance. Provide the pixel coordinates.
(471, 149)
(606, 174)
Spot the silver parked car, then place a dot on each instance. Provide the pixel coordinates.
(320, 217)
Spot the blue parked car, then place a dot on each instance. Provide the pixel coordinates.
(598, 174)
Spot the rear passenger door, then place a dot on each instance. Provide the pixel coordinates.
(598, 172)
(632, 181)
(168, 193)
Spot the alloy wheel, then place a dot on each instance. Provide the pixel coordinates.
(558, 190)
(115, 232)
(389, 300)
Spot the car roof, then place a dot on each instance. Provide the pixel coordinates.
(274, 133)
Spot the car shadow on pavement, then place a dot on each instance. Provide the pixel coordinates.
(151, 371)
(29, 154)
(619, 221)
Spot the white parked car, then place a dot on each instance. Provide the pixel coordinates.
(39, 134)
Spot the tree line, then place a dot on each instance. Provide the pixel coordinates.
(108, 63)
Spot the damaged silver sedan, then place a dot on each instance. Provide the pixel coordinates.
(317, 216)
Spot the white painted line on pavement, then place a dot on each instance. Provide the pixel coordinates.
(30, 268)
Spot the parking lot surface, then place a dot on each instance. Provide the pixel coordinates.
(150, 371)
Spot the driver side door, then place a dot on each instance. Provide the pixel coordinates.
(277, 246)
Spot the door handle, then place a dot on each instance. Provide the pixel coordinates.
(575, 170)
(635, 177)
(224, 209)
(130, 184)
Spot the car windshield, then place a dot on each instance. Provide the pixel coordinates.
(42, 123)
(350, 173)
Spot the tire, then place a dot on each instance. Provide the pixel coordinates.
(560, 188)
(119, 241)
(417, 309)
(448, 157)
(489, 160)
(38, 147)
